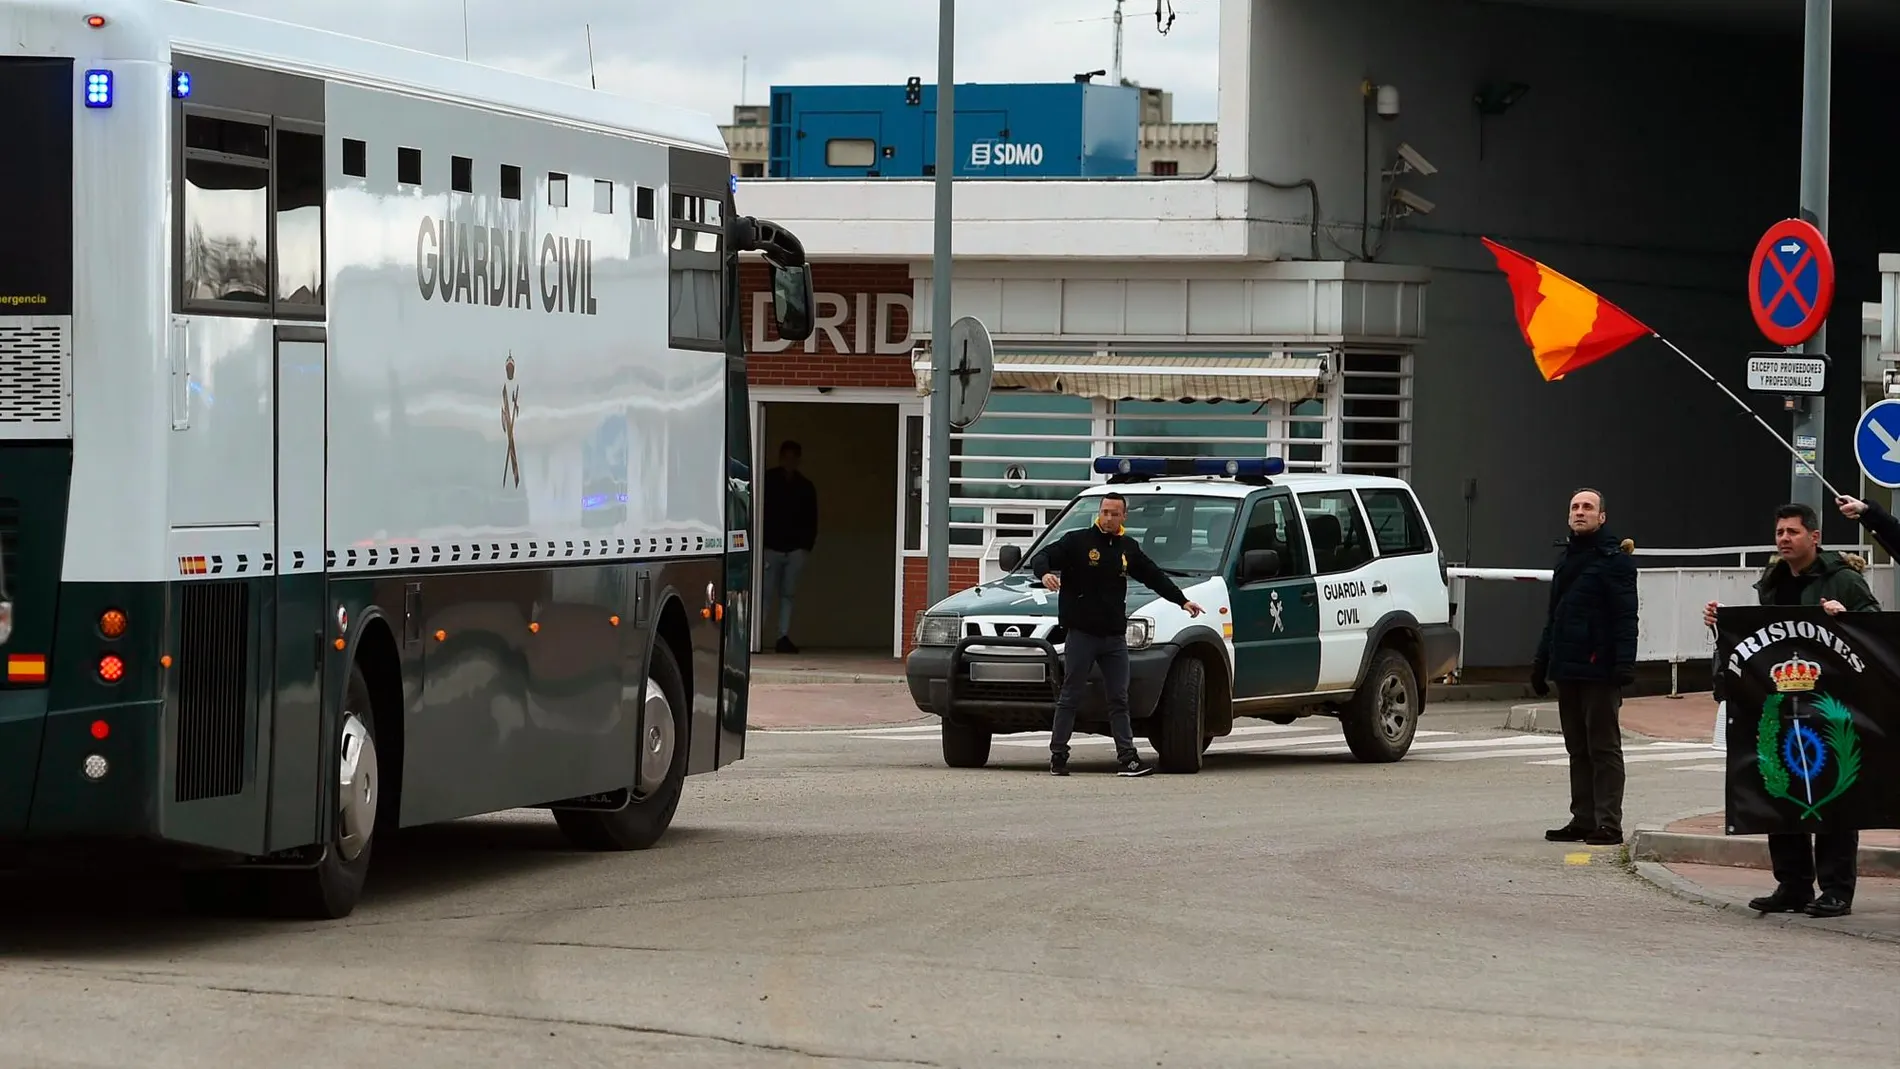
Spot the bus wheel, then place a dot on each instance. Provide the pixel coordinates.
(650, 808)
(330, 889)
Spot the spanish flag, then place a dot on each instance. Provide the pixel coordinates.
(1566, 325)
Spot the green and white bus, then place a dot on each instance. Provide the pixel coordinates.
(373, 445)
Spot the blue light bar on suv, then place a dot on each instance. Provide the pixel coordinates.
(1231, 467)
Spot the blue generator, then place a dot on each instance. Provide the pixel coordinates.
(1028, 130)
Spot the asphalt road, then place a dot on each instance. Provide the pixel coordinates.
(844, 900)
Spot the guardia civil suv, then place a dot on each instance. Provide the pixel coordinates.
(1325, 595)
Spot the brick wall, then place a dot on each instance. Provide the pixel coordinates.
(964, 574)
(827, 366)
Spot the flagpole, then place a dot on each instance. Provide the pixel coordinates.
(1785, 444)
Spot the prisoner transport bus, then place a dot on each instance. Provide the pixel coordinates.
(374, 446)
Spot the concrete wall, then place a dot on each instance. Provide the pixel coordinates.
(1644, 161)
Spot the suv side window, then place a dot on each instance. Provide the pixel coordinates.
(1338, 529)
(1396, 524)
(1271, 525)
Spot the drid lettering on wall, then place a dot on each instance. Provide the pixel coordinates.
(862, 325)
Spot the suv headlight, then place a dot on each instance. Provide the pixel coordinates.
(935, 630)
(1141, 631)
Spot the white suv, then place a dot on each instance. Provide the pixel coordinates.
(1326, 595)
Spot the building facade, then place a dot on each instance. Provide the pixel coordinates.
(1364, 147)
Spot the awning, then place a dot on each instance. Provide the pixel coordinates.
(1155, 377)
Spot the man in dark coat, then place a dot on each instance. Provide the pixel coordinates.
(1879, 522)
(1806, 574)
(790, 522)
(1589, 650)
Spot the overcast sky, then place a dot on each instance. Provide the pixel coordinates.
(690, 53)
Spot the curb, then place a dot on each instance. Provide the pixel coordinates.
(794, 676)
(1682, 887)
(1541, 718)
(1687, 848)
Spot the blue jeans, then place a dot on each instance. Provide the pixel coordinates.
(781, 582)
(1081, 652)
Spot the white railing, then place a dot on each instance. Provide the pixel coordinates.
(1669, 600)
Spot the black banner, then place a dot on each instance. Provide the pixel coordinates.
(1813, 718)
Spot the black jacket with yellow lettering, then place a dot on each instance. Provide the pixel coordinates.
(1095, 567)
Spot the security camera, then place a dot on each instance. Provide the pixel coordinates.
(1388, 102)
(1415, 161)
(1413, 201)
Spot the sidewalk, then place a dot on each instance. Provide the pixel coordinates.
(1689, 718)
(1876, 899)
(779, 706)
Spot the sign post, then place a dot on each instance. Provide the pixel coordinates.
(1790, 292)
(937, 530)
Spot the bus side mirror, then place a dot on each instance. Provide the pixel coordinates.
(792, 301)
(1009, 557)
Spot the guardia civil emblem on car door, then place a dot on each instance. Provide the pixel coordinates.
(1818, 745)
(1274, 607)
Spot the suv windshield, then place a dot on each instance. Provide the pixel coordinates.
(1182, 533)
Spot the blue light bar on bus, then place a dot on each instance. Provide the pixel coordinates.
(98, 89)
(1232, 467)
(181, 84)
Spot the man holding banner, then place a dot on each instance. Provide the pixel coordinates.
(1792, 670)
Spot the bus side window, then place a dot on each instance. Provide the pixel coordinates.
(298, 176)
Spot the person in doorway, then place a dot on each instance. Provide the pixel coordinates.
(1095, 563)
(1805, 574)
(1588, 649)
(790, 531)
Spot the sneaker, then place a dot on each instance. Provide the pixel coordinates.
(1131, 767)
(1059, 765)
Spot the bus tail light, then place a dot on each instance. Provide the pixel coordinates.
(111, 668)
(112, 623)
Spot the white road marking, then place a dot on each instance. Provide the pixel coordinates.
(1324, 739)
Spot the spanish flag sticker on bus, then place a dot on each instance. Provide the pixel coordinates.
(26, 668)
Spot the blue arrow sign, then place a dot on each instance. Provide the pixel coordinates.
(1877, 442)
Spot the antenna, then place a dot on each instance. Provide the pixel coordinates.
(592, 82)
(744, 69)
(464, 31)
(1115, 77)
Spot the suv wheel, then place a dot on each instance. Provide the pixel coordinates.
(965, 745)
(1382, 718)
(1178, 739)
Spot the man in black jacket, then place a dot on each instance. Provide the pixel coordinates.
(1589, 650)
(790, 522)
(1879, 522)
(1096, 562)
